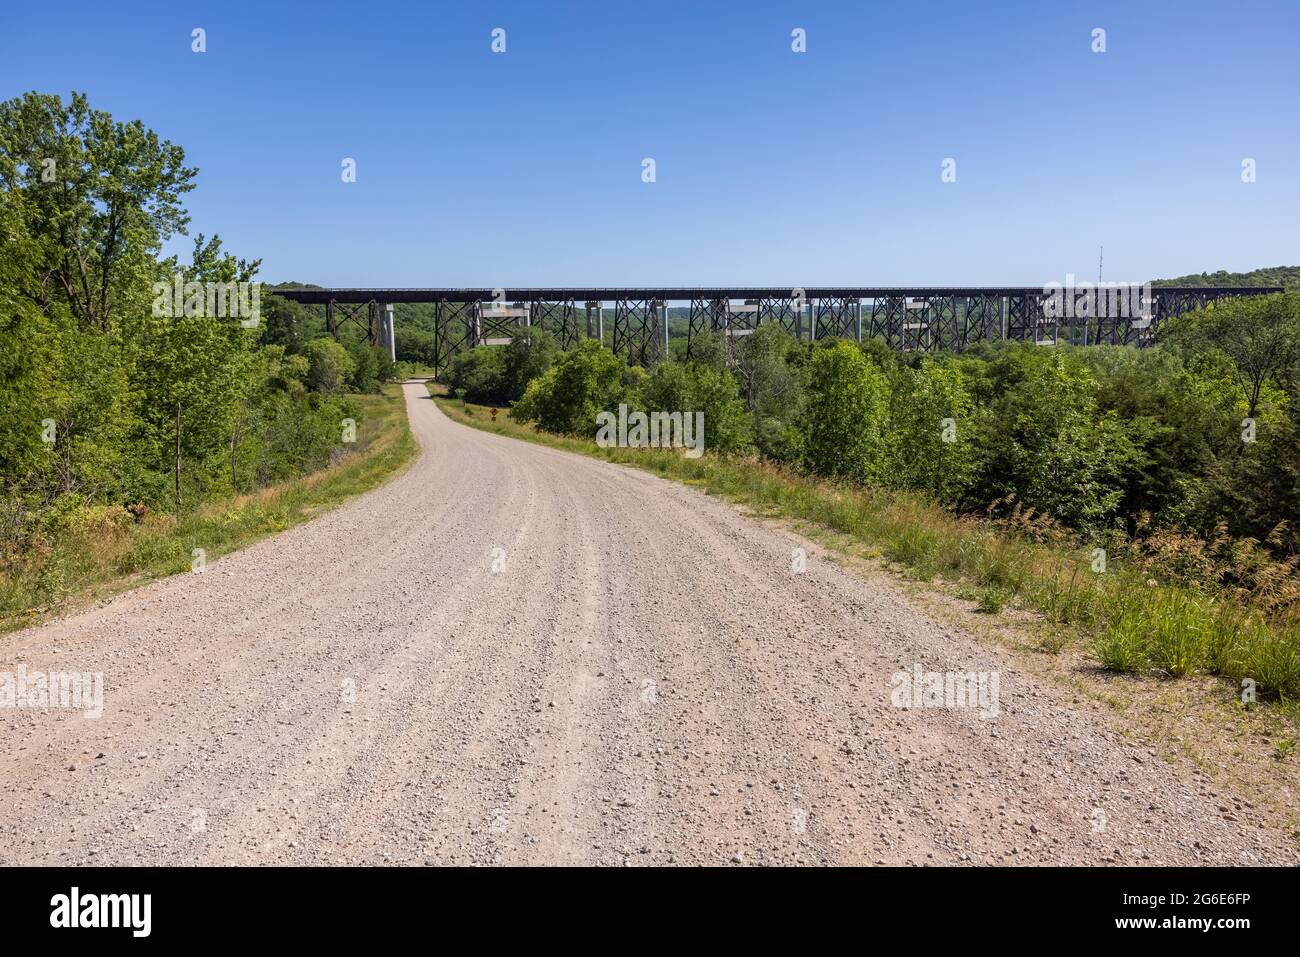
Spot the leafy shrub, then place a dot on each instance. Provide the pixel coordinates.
(530, 353)
(931, 439)
(329, 366)
(1046, 442)
(566, 399)
(479, 375)
(843, 420)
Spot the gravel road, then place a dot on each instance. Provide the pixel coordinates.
(511, 654)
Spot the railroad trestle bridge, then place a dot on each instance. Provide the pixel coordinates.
(634, 323)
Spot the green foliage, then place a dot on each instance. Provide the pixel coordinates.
(991, 599)
(727, 426)
(585, 381)
(478, 375)
(1285, 276)
(110, 195)
(1045, 441)
(372, 366)
(932, 432)
(414, 346)
(330, 367)
(529, 355)
(108, 398)
(691, 389)
(769, 368)
(843, 419)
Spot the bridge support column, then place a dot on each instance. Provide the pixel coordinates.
(388, 330)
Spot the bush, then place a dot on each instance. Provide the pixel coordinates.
(1046, 442)
(566, 399)
(529, 355)
(478, 376)
(373, 367)
(727, 425)
(769, 369)
(842, 423)
(329, 366)
(931, 441)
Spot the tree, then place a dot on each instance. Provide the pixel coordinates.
(1261, 334)
(478, 375)
(583, 382)
(100, 198)
(843, 420)
(329, 366)
(530, 353)
(931, 441)
(1045, 441)
(770, 375)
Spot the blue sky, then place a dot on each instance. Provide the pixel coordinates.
(772, 167)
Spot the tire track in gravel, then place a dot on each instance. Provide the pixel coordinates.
(646, 681)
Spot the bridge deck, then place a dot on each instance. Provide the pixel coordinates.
(311, 295)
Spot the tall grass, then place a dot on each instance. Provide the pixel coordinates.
(1135, 624)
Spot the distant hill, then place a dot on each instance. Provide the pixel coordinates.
(1288, 276)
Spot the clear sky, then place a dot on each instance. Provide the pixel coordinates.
(772, 167)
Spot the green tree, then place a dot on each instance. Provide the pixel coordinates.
(478, 375)
(843, 420)
(530, 353)
(330, 367)
(768, 366)
(583, 382)
(1261, 334)
(100, 196)
(1046, 442)
(931, 440)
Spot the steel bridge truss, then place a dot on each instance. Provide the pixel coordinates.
(453, 328)
(640, 330)
(363, 315)
(560, 319)
(924, 320)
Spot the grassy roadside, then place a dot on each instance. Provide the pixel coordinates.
(111, 557)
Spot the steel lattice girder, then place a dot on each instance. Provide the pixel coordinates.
(365, 315)
(943, 321)
(559, 318)
(888, 313)
(787, 312)
(739, 318)
(495, 323)
(685, 294)
(981, 319)
(916, 334)
(835, 317)
(453, 326)
(699, 321)
(637, 331)
(940, 317)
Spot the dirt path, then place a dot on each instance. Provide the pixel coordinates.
(512, 654)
